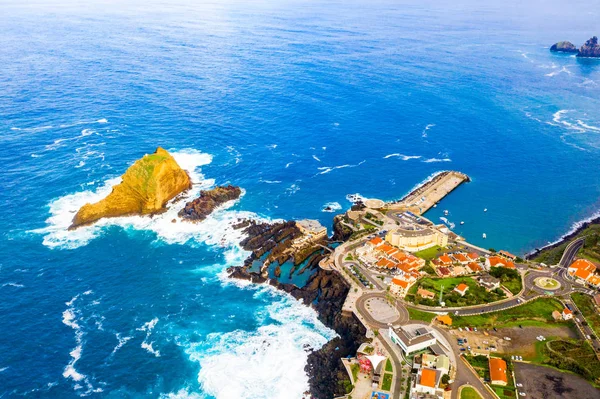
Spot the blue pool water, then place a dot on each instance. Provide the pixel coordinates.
(299, 103)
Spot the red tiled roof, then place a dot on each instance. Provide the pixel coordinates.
(583, 264)
(428, 378)
(401, 283)
(375, 241)
(582, 274)
(498, 370)
(462, 287)
(507, 254)
(444, 271)
(445, 259)
(473, 255)
(567, 311)
(461, 258)
(474, 267)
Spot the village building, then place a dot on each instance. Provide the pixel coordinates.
(498, 261)
(443, 271)
(473, 256)
(556, 315)
(425, 293)
(567, 314)
(459, 271)
(474, 267)
(312, 231)
(462, 289)
(444, 319)
(440, 363)
(508, 255)
(461, 258)
(498, 371)
(415, 238)
(399, 287)
(411, 342)
(488, 282)
(584, 272)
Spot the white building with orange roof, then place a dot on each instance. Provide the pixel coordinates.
(461, 258)
(374, 242)
(567, 314)
(444, 260)
(582, 269)
(399, 287)
(474, 267)
(499, 261)
(473, 256)
(462, 289)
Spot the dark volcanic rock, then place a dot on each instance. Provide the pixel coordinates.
(341, 232)
(201, 207)
(590, 48)
(326, 292)
(564, 47)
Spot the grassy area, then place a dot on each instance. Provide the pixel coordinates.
(504, 392)
(474, 296)
(415, 314)
(591, 249)
(386, 385)
(510, 278)
(575, 356)
(388, 366)
(535, 313)
(355, 369)
(469, 393)
(429, 253)
(481, 365)
(586, 306)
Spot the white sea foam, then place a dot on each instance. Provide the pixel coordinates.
(316, 158)
(328, 169)
(402, 156)
(87, 132)
(272, 146)
(70, 318)
(11, 284)
(588, 127)
(331, 207)
(448, 223)
(558, 119)
(293, 189)
(432, 160)
(103, 120)
(4, 369)
(270, 181)
(563, 70)
(424, 132)
(287, 165)
(279, 350)
(354, 198)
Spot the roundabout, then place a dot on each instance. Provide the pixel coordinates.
(547, 283)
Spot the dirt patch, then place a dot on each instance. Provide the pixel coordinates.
(545, 383)
(522, 340)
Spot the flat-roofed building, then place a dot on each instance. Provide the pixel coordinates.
(312, 231)
(415, 238)
(411, 342)
(426, 382)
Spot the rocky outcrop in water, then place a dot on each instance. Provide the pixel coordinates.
(590, 48)
(198, 209)
(146, 188)
(564, 47)
(326, 292)
(341, 232)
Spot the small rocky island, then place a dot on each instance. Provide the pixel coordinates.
(146, 187)
(589, 49)
(198, 209)
(564, 47)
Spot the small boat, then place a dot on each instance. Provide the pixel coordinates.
(446, 212)
(461, 222)
(485, 210)
(484, 235)
(435, 205)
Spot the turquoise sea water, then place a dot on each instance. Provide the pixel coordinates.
(299, 103)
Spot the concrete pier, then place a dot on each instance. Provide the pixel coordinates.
(421, 199)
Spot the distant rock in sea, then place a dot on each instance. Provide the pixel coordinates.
(564, 47)
(590, 48)
(198, 209)
(146, 188)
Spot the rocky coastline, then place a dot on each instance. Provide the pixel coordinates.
(564, 239)
(199, 208)
(326, 292)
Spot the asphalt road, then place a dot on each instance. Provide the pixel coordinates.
(571, 251)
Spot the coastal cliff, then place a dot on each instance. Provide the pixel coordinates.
(145, 189)
(325, 291)
(198, 209)
(564, 47)
(590, 48)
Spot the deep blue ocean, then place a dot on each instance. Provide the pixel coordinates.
(300, 103)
